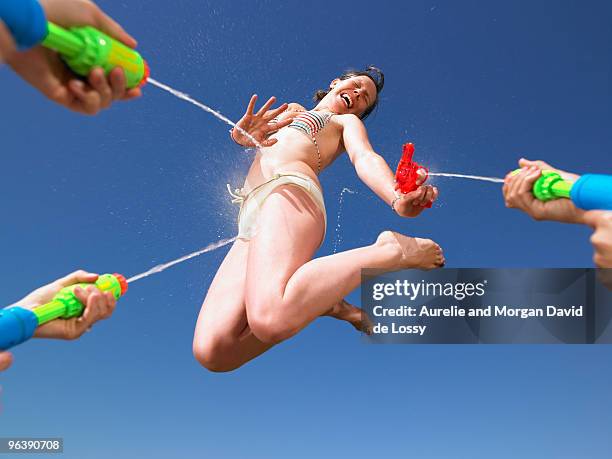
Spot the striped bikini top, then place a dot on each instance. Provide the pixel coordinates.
(310, 123)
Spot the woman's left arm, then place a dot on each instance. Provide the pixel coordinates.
(374, 171)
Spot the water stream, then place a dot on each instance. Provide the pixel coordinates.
(159, 268)
(206, 108)
(471, 177)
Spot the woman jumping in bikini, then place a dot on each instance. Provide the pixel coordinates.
(269, 287)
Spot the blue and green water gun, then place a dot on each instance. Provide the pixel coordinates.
(589, 192)
(19, 324)
(81, 48)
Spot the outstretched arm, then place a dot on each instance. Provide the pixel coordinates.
(373, 170)
(98, 306)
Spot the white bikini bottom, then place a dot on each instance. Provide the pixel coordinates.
(251, 202)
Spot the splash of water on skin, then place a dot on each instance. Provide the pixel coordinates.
(163, 267)
(337, 234)
(471, 177)
(206, 108)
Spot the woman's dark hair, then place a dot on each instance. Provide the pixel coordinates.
(373, 73)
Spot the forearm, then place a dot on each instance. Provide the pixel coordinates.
(374, 171)
(7, 45)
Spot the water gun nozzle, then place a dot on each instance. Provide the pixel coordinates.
(146, 75)
(122, 282)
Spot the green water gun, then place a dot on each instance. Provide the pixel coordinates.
(18, 324)
(590, 191)
(83, 48)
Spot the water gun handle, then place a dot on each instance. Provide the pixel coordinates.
(409, 172)
(18, 324)
(84, 48)
(593, 191)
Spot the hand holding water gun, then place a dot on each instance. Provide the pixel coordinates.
(47, 71)
(412, 197)
(518, 194)
(539, 190)
(64, 309)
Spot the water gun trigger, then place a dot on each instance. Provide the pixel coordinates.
(409, 172)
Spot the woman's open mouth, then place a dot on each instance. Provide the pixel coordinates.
(347, 100)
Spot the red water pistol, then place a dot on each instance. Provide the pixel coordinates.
(409, 171)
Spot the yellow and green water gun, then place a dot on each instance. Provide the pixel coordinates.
(84, 48)
(19, 324)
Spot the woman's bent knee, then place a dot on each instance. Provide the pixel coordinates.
(214, 354)
(270, 327)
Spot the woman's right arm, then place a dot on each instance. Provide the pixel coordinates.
(374, 171)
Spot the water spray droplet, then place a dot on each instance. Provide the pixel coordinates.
(337, 233)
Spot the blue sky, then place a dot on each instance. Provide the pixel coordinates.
(475, 85)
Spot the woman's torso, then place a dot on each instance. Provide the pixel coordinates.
(295, 150)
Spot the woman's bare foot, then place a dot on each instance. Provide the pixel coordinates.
(411, 252)
(353, 315)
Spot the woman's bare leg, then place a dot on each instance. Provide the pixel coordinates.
(223, 340)
(285, 291)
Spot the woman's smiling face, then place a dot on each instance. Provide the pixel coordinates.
(353, 95)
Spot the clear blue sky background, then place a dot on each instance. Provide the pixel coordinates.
(474, 85)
